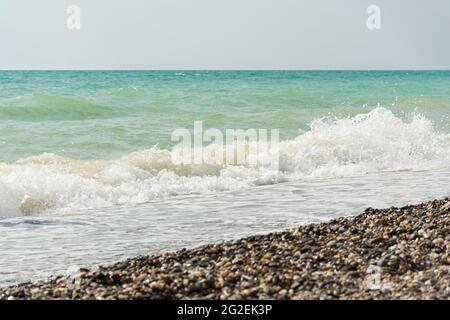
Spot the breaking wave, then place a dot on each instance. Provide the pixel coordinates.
(367, 143)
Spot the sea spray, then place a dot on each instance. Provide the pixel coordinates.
(377, 141)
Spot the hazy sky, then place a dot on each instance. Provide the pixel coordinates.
(224, 34)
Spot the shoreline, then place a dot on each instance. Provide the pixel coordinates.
(395, 253)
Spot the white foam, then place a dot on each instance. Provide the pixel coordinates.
(9, 206)
(373, 142)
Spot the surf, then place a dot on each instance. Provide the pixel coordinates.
(373, 142)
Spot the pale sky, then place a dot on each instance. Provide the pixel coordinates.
(224, 34)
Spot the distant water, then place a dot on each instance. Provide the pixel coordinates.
(86, 175)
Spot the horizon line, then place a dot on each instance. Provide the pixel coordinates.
(218, 69)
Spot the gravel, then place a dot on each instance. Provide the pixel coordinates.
(395, 253)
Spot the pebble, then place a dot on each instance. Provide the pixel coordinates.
(407, 251)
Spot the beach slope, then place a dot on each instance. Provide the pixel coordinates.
(395, 253)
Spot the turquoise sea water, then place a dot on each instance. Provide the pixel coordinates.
(107, 114)
(87, 178)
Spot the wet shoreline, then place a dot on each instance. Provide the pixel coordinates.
(395, 253)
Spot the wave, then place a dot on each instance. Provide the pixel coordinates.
(367, 143)
(50, 107)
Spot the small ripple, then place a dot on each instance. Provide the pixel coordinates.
(40, 222)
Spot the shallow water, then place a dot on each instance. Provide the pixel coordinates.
(87, 178)
(41, 246)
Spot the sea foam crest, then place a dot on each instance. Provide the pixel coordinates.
(373, 142)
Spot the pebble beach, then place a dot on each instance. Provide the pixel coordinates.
(395, 253)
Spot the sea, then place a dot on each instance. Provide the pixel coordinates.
(87, 176)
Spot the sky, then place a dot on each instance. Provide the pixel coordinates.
(224, 34)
